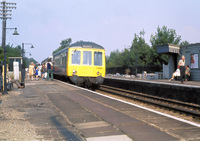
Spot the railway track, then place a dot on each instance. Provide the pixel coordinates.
(177, 106)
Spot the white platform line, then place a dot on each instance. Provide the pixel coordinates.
(110, 138)
(151, 110)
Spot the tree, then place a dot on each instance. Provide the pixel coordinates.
(63, 44)
(1, 54)
(29, 60)
(141, 53)
(184, 43)
(162, 36)
(14, 52)
(114, 59)
(140, 50)
(11, 52)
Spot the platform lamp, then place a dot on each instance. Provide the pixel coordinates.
(5, 51)
(23, 63)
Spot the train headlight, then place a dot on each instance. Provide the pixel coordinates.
(98, 73)
(74, 72)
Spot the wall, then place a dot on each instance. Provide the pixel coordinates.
(187, 51)
(166, 71)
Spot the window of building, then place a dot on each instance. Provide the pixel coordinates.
(98, 58)
(76, 55)
(87, 58)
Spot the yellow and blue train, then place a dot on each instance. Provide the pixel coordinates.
(82, 62)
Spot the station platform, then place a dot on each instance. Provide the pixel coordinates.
(189, 91)
(163, 81)
(54, 110)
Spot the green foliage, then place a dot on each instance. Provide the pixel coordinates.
(184, 43)
(138, 53)
(14, 52)
(140, 49)
(141, 53)
(29, 60)
(11, 52)
(1, 54)
(162, 36)
(63, 44)
(114, 59)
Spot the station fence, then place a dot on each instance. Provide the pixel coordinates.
(132, 69)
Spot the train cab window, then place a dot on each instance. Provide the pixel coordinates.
(87, 58)
(76, 57)
(97, 58)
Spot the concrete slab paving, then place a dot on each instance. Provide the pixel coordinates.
(113, 116)
(27, 115)
(159, 130)
(56, 111)
(88, 125)
(191, 134)
(110, 138)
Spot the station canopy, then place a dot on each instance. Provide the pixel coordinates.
(168, 48)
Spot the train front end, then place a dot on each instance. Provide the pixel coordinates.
(86, 64)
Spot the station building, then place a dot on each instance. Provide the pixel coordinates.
(191, 53)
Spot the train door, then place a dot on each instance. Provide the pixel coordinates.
(66, 61)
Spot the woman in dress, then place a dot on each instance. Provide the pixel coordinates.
(31, 70)
(176, 73)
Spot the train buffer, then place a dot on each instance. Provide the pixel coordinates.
(58, 111)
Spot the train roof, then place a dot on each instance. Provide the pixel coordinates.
(81, 44)
(84, 44)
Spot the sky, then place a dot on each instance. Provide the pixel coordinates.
(110, 23)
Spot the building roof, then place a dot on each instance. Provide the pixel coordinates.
(195, 44)
(168, 48)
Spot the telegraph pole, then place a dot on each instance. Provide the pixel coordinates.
(5, 13)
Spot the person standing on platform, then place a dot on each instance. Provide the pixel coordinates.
(181, 63)
(43, 70)
(39, 70)
(49, 67)
(187, 73)
(31, 70)
(36, 73)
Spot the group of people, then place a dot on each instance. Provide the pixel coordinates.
(43, 71)
(182, 71)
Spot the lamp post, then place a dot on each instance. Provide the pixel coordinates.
(5, 52)
(23, 63)
(4, 47)
(5, 8)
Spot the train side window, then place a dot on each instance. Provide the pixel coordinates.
(87, 58)
(76, 57)
(98, 58)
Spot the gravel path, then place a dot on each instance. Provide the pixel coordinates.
(13, 124)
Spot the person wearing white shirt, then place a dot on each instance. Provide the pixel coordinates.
(181, 63)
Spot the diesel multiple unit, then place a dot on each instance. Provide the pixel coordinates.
(82, 62)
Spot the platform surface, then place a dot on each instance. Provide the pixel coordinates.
(56, 111)
(162, 81)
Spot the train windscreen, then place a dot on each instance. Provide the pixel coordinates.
(76, 57)
(87, 58)
(98, 58)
